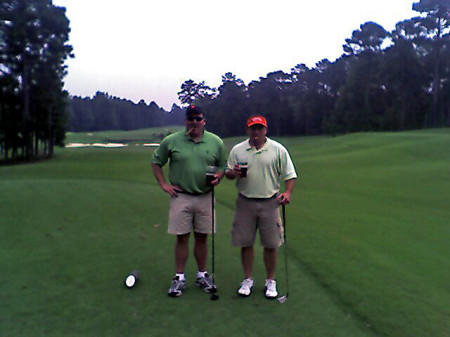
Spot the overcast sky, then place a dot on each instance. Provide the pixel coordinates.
(145, 49)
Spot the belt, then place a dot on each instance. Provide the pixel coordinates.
(194, 194)
(259, 199)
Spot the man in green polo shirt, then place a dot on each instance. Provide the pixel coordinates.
(190, 152)
(259, 164)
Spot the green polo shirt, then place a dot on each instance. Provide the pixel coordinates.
(188, 160)
(266, 168)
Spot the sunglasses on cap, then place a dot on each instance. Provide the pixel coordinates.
(198, 119)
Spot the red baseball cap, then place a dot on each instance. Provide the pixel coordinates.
(257, 120)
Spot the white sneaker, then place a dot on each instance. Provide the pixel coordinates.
(271, 289)
(206, 283)
(246, 287)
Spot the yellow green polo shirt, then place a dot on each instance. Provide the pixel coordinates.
(188, 160)
(267, 167)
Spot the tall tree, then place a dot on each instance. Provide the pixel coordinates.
(191, 92)
(228, 111)
(268, 97)
(368, 39)
(436, 23)
(361, 103)
(405, 77)
(33, 36)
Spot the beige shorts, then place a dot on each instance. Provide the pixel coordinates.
(252, 215)
(190, 212)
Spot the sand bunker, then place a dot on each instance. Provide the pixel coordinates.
(77, 145)
(109, 145)
(104, 145)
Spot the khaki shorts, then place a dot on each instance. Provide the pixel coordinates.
(252, 215)
(190, 212)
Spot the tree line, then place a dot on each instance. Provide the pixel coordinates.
(384, 80)
(106, 112)
(33, 49)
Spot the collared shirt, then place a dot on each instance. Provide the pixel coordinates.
(266, 168)
(188, 159)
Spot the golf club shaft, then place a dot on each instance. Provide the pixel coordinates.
(213, 235)
(283, 207)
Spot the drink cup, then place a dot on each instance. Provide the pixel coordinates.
(210, 174)
(243, 163)
(244, 167)
(209, 178)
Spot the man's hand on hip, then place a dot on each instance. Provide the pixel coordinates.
(171, 190)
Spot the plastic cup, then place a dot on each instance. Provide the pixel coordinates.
(243, 164)
(244, 168)
(210, 174)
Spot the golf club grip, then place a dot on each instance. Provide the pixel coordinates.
(283, 208)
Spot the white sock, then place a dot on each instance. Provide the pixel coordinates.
(201, 273)
(181, 276)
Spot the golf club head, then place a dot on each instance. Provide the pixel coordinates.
(132, 279)
(282, 299)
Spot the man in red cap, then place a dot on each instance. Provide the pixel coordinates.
(259, 164)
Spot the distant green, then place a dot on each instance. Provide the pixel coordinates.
(129, 137)
(368, 244)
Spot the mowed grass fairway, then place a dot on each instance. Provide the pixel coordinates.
(368, 245)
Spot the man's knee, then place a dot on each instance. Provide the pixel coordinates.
(183, 238)
(201, 238)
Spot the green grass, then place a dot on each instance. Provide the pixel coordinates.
(368, 234)
(133, 136)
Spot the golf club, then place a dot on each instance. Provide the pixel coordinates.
(284, 298)
(214, 296)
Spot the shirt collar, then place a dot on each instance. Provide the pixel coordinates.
(264, 148)
(201, 139)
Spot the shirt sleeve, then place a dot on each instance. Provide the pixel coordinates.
(232, 161)
(287, 166)
(161, 154)
(222, 157)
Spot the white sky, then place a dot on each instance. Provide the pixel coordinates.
(145, 49)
